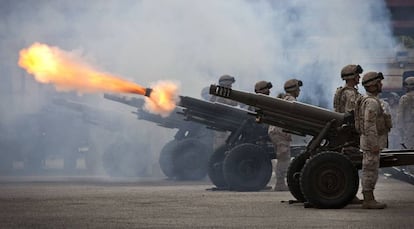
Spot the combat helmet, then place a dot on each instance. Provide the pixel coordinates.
(350, 71)
(409, 82)
(371, 78)
(292, 85)
(263, 87)
(226, 80)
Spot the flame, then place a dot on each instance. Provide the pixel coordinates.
(163, 92)
(69, 72)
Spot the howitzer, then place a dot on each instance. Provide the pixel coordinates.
(185, 157)
(189, 109)
(325, 175)
(220, 117)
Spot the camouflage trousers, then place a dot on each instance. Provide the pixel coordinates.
(370, 166)
(283, 161)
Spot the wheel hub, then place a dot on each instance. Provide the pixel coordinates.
(247, 168)
(331, 182)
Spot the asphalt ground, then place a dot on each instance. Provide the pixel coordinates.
(100, 202)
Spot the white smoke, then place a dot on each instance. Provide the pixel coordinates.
(196, 41)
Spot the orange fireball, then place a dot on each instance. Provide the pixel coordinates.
(68, 71)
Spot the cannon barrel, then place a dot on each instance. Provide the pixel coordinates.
(131, 101)
(293, 116)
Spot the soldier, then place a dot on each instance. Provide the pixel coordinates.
(281, 140)
(373, 125)
(263, 87)
(391, 107)
(225, 81)
(345, 97)
(406, 114)
(220, 136)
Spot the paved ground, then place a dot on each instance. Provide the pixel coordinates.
(95, 202)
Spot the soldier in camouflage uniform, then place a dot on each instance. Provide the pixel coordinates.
(405, 117)
(263, 87)
(220, 136)
(281, 140)
(391, 107)
(225, 81)
(373, 125)
(406, 114)
(346, 96)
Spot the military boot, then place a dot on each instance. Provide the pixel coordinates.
(369, 201)
(356, 200)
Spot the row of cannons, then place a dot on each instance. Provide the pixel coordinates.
(321, 172)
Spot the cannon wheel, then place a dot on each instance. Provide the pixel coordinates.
(215, 167)
(293, 176)
(165, 160)
(190, 159)
(329, 180)
(247, 167)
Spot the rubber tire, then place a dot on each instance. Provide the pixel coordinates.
(294, 183)
(165, 160)
(215, 167)
(190, 159)
(329, 180)
(247, 167)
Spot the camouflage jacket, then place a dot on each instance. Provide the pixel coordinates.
(344, 99)
(405, 117)
(406, 109)
(276, 133)
(374, 123)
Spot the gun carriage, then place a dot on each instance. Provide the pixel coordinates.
(191, 149)
(326, 173)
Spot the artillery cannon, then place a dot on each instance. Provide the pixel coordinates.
(324, 175)
(195, 118)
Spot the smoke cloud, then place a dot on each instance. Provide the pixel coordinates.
(193, 42)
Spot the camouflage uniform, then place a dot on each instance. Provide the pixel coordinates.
(221, 136)
(374, 135)
(406, 119)
(345, 97)
(281, 140)
(391, 107)
(373, 124)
